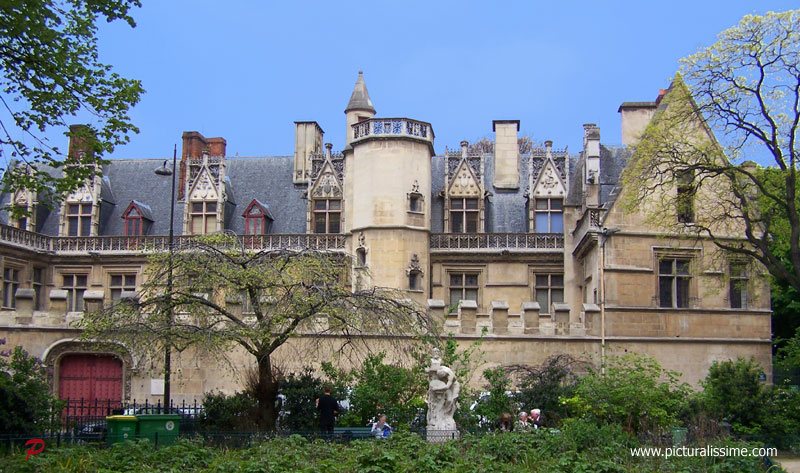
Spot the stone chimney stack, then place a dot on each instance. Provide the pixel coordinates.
(464, 148)
(635, 117)
(307, 141)
(506, 154)
(591, 154)
(328, 150)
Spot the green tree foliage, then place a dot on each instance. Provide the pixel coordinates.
(228, 413)
(290, 294)
(50, 72)
(635, 392)
(26, 404)
(745, 88)
(379, 388)
(500, 399)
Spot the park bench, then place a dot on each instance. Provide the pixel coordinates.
(350, 433)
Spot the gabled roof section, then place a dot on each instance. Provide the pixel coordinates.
(549, 182)
(257, 207)
(327, 184)
(360, 100)
(203, 187)
(464, 182)
(143, 210)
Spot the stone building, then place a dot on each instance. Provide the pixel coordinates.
(533, 246)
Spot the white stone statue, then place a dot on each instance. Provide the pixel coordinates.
(443, 392)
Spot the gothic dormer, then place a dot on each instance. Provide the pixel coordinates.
(325, 209)
(205, 195)
(464, 192)
(80, 212)
(548, 188)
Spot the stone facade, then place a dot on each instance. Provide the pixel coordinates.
(533, 249)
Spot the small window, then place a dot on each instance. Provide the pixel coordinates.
(414, 281)
(464, 215)
(674, 278)
(415, 203)
(738, 286)
(74, 284)
(549, 216)
(463, 286)
(79, 219)
(10, 286)
(327, 215)
(686, 193)
(121, 283)
(38, 288)
(361, 257)
(203, 217)
(549, 288)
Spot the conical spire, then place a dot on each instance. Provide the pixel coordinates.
(360, 98)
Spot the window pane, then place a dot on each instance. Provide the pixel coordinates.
(72, 209)
(457, 204)
(455, 279)
(472, 204)
(73, 226)
(665, 292)
(683, 292)
(320, 204)
(334, 204)
(682, 266)
(67, 280)
(665, 266)
(86, 226)
(471, 280)
(556, 204)
(130, 280)
(541, 222)
(414, 204)
(197, 207)
(472, 222)
(116, 280)
(211, 224)
(542, 280)
(735, 294)
(557, 280)
(78, 301)
(557, 295)
(80, 281)
(197, 225)
(556, 222)
(541, 204)
(333, 224)
(86, 208)
(456, 222)
(544, 303)
(471, 294)
(455, 296)
(319, 223)
(412, 281)
(211, 207)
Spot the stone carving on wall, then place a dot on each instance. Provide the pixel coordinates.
(549, 183)
(204, 188)
(414, 266)
(443, 390)
(84, 194)
(464, 183)
(327, 186)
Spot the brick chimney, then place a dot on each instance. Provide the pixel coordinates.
(80, 143)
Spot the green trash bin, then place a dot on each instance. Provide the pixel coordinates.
(121, 428)
(161, 429)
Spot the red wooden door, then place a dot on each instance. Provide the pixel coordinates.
(92, 381)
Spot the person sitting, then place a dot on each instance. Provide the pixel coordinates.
(523, 425)
(504, 424)
(381, 429)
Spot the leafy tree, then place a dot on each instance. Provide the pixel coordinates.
(732, 391)
(746, 88)
(499, 400)
(26, 403)
(543, 386)
(49, 72)
(635, 392)
(290, 294)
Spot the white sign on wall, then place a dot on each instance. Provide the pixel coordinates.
(156, 387)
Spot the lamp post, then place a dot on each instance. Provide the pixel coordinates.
(165, 171)
(604, 235)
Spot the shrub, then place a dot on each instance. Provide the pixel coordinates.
(26, 404)
(732, 391)
(499, 400)
(631, 394)
(225, 413)
(543, 386)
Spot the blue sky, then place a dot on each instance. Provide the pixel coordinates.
(246, 70)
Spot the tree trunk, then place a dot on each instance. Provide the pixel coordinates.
(266, 393)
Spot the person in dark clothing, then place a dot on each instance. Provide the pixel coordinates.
(328, 408)
(504, 424)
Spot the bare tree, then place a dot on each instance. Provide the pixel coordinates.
(226, 295)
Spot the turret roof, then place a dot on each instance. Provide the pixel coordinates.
(360, 99)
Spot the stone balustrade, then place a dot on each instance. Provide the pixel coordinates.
(392, 127)
(512, 242)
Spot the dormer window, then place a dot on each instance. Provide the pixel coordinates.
(327, 215)
(464, 214)
(203, 217)
(257, 218)
(79, 219)
(137, 218)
